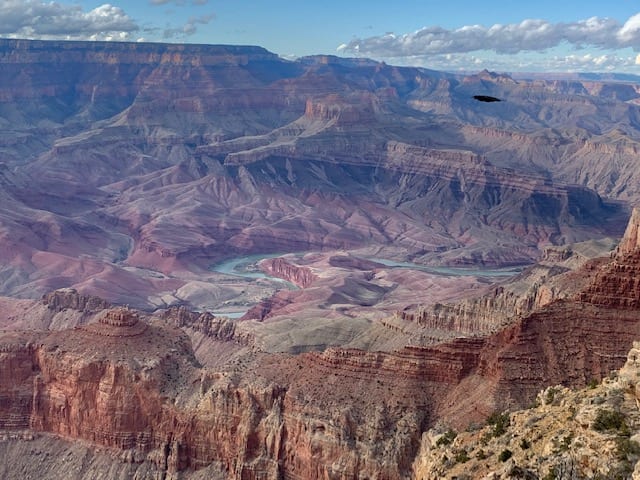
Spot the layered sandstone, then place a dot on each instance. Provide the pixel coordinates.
(631, 240)
(562, 273)
(279, 267)
(156, 162)
(300, 415)
(59, 300)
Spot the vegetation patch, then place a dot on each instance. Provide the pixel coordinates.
(610, 420)
(500, 422)
(505, 455)
(447, 438)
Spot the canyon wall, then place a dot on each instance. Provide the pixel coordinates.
(128, 170)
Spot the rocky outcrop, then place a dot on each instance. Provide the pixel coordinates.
(219, 328)
(265, 307)
(69, 298)
(142, 393)
(562, 273)
(617, 285)
(631, 240)
(280, 268)
(586, 433)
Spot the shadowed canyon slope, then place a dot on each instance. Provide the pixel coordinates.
(127, 170)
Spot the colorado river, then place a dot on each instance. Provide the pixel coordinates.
(452, 271)
(239, 266)
(246, 267)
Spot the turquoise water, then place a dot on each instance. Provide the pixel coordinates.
(452, 271)
(245, 267)
(229, 314)
(239, 266)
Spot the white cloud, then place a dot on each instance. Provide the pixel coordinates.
(530, 35)
(53, 20)
(630, 31)
(189, 28)
(179, 3)
(525, 63)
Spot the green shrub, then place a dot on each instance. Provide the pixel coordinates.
(565, 443)
(500, 422)
(447, 438)
(525, 444)
(551, 395)
(505, 455)
(461, 456)
(626, 448)
(607, 420)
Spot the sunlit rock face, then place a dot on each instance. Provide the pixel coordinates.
(120, 159)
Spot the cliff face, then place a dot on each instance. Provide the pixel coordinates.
(631, 240)
(562, 273)
(339, 413)
(569, 341)
(141, 392)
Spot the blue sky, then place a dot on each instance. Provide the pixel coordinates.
(504, 35)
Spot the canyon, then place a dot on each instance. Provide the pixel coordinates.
(129, 170)
(218, 263)
(180, 393)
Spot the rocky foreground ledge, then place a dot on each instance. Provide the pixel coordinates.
(592, 432)
(132, 389)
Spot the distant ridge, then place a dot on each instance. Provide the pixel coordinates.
(592, 76)
(67, 45)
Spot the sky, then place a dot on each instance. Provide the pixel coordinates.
(453, 35)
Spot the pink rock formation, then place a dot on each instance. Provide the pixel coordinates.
(279, 267)
(631, 240)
